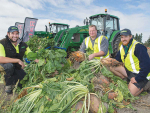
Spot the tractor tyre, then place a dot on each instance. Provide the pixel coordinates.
(116, 46)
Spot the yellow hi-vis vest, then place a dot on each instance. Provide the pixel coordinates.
(97, 46)
(131, 62)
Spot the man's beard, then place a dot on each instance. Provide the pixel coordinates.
(13, 41)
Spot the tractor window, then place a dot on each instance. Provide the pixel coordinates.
(109, 27)
(65, 27)
(98, 22)
(109, 23)
(115, 24)
(53, 29)
(61, 27)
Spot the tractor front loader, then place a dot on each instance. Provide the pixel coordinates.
(72, 38)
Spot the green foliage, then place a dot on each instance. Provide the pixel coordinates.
(102, 108)
(110, 109)
(105, 98)
(56, 95)
(51, 97)
(89, 51)
(119, 97)
(80, 75)
(32, 56)
(35, 43)
(50, 60)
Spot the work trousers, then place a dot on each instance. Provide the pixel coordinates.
(12, 74)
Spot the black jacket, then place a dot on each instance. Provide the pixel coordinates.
(10, 51)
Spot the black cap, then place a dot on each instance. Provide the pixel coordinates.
(125, 32)
(12, 29)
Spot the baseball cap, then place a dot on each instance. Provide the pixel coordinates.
(125, 32)
(12, 29)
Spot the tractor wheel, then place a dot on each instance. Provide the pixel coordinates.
(116, 46)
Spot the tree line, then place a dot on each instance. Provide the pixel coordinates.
(138, 37)
(147, 43)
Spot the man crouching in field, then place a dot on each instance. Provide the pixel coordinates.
(136, 63)
(12, 51)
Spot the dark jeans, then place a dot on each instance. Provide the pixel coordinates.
(12, 74)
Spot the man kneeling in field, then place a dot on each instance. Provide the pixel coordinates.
(136, 63)
(12, 51)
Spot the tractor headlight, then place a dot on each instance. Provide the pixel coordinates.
(72, 38)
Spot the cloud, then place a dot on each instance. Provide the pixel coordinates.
(11, 13)
(142, 6)
(40, 26)
(81, 11)
(137, 23)
(87, 2)
(10, 9)
(6, 22)
(32, 4)
(66, 3)
(57, 3)
(69, 12)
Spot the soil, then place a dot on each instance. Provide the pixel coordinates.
(5, 99)
(142, 105)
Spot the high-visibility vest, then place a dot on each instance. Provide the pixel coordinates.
(96, 47)
(131, 62)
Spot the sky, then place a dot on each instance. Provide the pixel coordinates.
(133, 14)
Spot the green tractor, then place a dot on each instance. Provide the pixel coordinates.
(71, 38)
(107, 25)
(54, 28)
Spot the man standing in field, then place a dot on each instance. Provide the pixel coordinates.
(99, 44)
(12, 51)
(136, 63)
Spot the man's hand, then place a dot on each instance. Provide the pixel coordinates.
(36, 60)
(91, 56)
(21, 63)
(133, 80)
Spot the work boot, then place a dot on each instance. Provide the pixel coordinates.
(147, 87)
(8, 89)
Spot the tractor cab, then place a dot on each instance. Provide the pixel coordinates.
(56, 27)
(105, 23)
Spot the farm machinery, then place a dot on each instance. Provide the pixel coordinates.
(107, 25)
(71, 38)
(54, 28)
